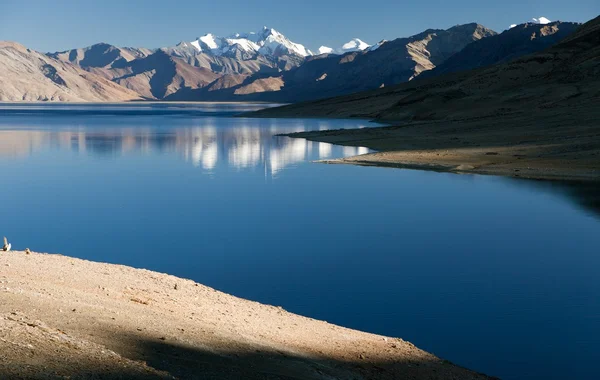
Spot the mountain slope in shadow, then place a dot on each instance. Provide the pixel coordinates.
(534, 117)
(511, 44)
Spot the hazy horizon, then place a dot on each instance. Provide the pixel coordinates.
(49, 27)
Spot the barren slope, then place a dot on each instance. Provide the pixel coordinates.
(504, 47)
(26, 75)
(110, 321)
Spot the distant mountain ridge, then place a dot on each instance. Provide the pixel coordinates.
(560, 81)
(267, 66)
(26, 75)
(327, 75)
(511, 44)
(268, 42)
(101, 55)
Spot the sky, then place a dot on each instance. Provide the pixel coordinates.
(50, 26)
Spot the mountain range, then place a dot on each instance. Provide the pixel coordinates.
(259, 66)
(555, 81)
(534, 116)
(327, 75)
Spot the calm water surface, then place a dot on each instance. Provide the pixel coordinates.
(497, 275)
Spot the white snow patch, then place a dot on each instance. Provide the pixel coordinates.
(273, 41)
(268, 42)
(325, 50)
(243, 43)
(196, 44)
(356, 44)
(209, 40)
(542, 20)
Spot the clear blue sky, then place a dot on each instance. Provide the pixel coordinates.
(64, 24)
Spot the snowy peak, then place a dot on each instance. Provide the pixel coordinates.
(267, 41)
(355, 44)
(209, 41)
(275, 43)
(542, 21)
(326, 50)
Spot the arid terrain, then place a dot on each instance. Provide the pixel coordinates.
(535, 117)
(62, 317)
(261, 66)
(27, 75)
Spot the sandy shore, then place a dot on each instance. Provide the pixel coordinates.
(62, 317)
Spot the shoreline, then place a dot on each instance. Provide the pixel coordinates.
(114, 321)
(552, 174)
(532, 117)
(493, 146)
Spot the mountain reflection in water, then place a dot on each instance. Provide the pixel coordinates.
(240, 147)
(585, 194)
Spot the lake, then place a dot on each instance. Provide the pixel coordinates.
(498, 275)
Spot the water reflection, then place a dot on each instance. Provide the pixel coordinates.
(585, 194)
(241, 145)
(474, 259)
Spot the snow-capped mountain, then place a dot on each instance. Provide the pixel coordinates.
(267, 42)
(326, 50)
(542, 21)
(355, 44)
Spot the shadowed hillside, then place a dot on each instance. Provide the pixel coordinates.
(511, 44)
(536, 116)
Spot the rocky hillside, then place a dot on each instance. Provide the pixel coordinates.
(101, 55)
(153, 75)
(159, 75)
(26, 75)
(562, 80)
(233, 64)
(511, 44)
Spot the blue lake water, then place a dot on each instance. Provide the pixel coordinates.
(498, 275)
